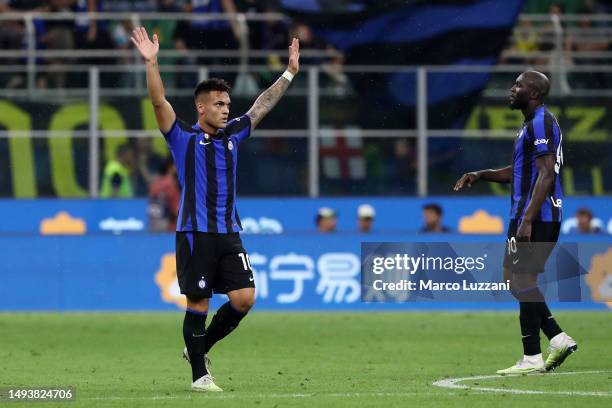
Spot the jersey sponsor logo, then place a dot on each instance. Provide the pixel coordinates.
(556, 203)
(540, 141)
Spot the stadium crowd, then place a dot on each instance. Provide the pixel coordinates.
(390, 164)
(183, 36)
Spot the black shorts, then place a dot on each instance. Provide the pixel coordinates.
(208, 262)
(531, 256)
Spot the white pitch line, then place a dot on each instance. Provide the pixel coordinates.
(453, 383)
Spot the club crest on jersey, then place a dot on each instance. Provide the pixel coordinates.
(230, 145)
(206, 136)
(202, 284)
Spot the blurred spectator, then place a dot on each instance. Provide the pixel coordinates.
(401, 168)
(585, 224)
(150, 165)
(326, 220)
(365, 217)
(598, 7)
(333, 67)
(432, 218)
(92, 34)
(165, 28)
(89, 32)
(544, 6)
(525, 37)
(57, 35)
(198, 35)
(208, 34)
(586, 38)
(525, 41)
(164, 197)
(24, 5)
(266, 35)
(11, 38)
(116, 181)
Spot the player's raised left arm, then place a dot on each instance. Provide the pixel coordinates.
(268, 98)
(545, 166)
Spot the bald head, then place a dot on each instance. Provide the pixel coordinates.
(529, 89)
(537, 81)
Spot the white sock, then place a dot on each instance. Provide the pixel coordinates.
(558, 338)
(533, 359)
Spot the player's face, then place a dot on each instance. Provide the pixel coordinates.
(214, 108)
(519, 93)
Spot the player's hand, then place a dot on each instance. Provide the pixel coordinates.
(524, 231)
(148, 49)
(467, 179)
(294, 56)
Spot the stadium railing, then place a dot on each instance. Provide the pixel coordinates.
(334, 89)
(442, 132)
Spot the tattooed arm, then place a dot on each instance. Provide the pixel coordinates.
(266, 101)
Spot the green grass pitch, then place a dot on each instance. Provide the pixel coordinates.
(301, 360)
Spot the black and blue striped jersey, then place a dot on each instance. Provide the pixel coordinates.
(206, 167)
(540, 135)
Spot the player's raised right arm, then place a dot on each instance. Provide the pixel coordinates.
(503, 175)
(149, 49)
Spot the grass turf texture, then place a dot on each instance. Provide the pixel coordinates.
(297, 359)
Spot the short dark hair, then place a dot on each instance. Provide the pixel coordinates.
(212, 84)
(584, 211)
(433, 207)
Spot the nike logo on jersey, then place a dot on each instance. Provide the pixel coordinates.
(204, 144)
(514, 262)
(251, 279)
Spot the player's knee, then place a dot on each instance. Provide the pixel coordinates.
(244, 304)
(524, 281)
(524, 287)
(197, 303)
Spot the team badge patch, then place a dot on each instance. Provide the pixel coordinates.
(202, 284)
(230, 145)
